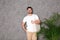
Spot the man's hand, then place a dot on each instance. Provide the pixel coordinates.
(23, 26)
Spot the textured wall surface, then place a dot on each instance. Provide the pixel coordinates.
(13, 11)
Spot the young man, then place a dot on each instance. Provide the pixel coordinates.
(33, 24)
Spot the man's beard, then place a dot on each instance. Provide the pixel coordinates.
(30, 13)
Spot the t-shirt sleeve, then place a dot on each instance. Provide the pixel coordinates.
(36, 17)
(24, 19)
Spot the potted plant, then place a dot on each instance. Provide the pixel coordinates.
(51, 28)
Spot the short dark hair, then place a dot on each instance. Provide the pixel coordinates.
(30, 8)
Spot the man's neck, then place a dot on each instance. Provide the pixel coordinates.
(30, 14)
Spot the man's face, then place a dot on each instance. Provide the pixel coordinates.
(29, 11)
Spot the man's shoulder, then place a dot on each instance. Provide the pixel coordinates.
(35, 14)
(25, 16)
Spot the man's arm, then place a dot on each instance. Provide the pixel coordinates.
(23, 26)
(36, 21)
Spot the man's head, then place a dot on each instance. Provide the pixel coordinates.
(29, 10)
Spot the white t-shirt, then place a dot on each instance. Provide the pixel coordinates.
(31, 27)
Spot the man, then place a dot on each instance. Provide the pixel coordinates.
(33, 24)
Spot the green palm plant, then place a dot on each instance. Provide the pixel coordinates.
(52, 30)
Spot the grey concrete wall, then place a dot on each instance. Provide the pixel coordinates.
(13, 11)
